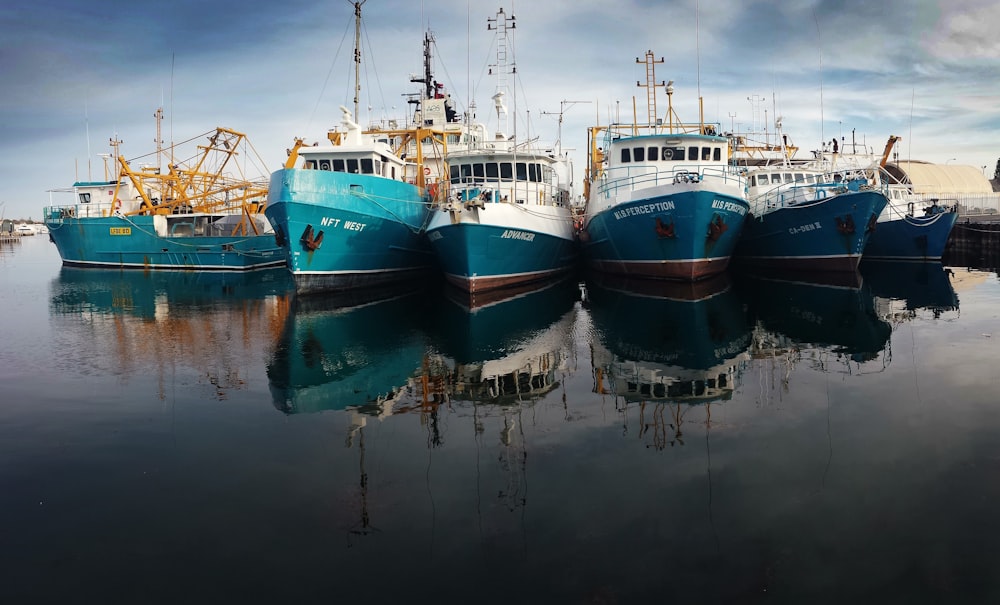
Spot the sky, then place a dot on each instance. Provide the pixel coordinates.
(79, 73)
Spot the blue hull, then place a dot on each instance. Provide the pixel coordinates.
(688, 236)
(911, 238)
(479, 257)
(825, 235)
(344, 231)
(818, 315)
(333, 357)
(920, 285)
(142, 294)
(133, 243)
(657, 326)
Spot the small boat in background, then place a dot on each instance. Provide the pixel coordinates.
(503, 217)
(662, 198)
(914, 229)
(912, 226)
(190, 216)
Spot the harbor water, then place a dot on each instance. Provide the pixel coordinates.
(183, 437)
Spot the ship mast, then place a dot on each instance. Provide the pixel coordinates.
(650, 86)
(357, 55)
(159, 136)
(501, 24)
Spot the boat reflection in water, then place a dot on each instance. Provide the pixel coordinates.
(904, 288)
(134, 322)
(796, 317)
(507, 346)
(356, 349)
(666, 344)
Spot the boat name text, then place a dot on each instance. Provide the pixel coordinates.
(521, 235)
(644, 209)
(804, 228)
(327, 221)
(120, 230)
(728, 206)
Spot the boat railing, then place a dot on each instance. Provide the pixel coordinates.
(914, 206)
(806, 190)
(105, 209)
(482, 191)
(631, 178)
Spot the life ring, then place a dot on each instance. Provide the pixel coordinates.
(118, 205)
(427, 171)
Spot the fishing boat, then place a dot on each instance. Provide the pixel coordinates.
(503, 217)
(662, 199)
(200, 215)
(351, 211)
(811, 217)
(912, 227)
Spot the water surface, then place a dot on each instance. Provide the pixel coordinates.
(209, 438)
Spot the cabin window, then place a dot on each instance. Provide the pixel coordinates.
(639, 154)
(310, 165)
(479, 171)
(692, 153)
(626, 155)
(453, 173)
(673, 153)
(84, 198)
(717, 154)
(533, 175)
(367, 166)
(338, 166)
(393, 170)
(653, 153)
(506, 171)
(789, 178)
(324, 164)
(352, 166)
(522, 171)
(492, 171)
(706, 153)
(753, 181)
(466, 170)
